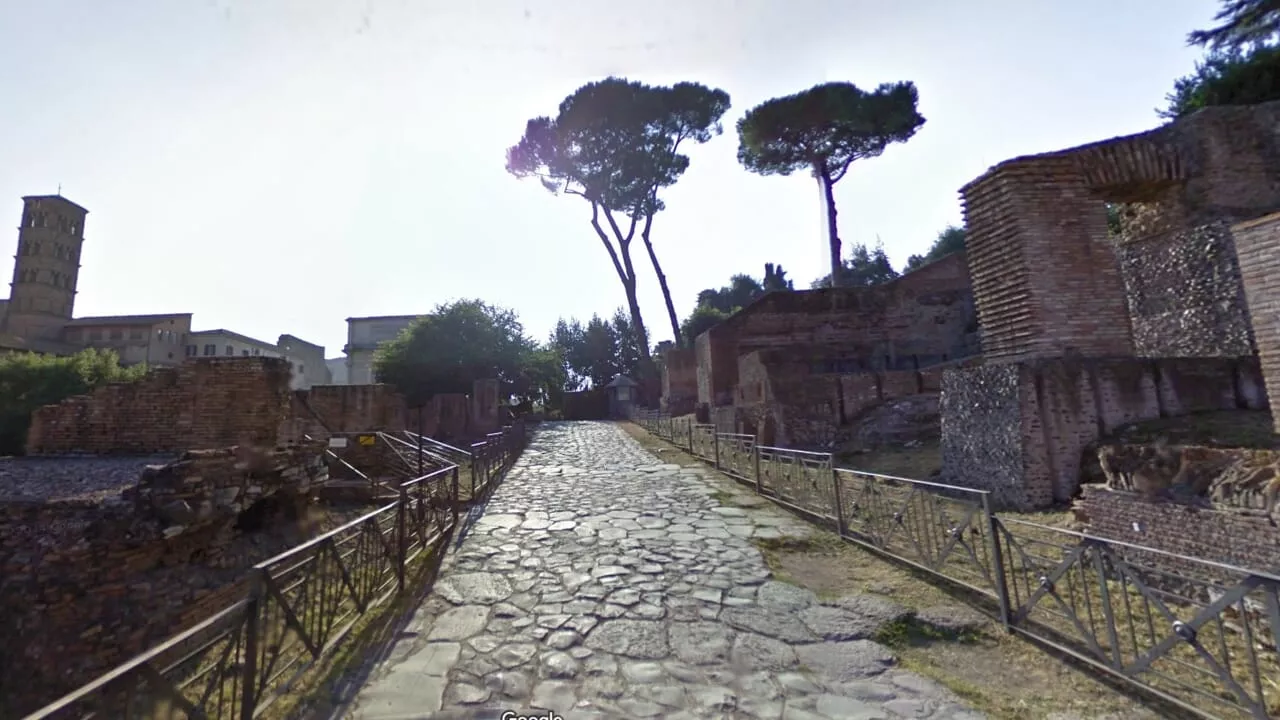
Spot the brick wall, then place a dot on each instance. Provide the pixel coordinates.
(484, 407)
(922, 318)
(1019, 429)
(1045, 276)
(1185, 294)
(87, 583)
(326, 409)
(782, 400)
(1219, 535)
(1258, 248)
(201, 404)
(679, 380)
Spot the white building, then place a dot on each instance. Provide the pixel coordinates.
(364, 335)
(225, 343)
(337, 370)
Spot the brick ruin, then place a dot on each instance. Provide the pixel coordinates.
(1083, 332)
(103, 556)
(219, 402)
(1211, 503)
(799, 367)
(140, 506)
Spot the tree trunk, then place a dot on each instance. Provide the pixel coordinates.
(833, 232)
(627, 275)
(650, 379)
(662, 283)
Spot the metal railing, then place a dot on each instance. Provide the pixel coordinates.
(298, 606)
(1201, 635)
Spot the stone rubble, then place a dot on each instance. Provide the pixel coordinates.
(599, 584)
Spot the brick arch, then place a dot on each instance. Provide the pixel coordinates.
(1139, 168)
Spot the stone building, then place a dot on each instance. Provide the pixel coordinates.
(156, 340)
(364, 335)
(306, 360)
(45, 271)
(798, 366)
(310, 367)
(39, 315)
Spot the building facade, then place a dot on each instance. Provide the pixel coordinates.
(154, 340)
(364, 335)
(306, 360)
(46, 267)
(39, 315)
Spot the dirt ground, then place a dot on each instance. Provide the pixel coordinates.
(1000, 673)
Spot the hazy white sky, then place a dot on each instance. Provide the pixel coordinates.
(280, 165)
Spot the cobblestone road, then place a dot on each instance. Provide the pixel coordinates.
(600, 583)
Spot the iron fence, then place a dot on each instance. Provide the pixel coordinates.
(735, 455)
(704, 441)
(298, 606)
(798, 479)
(1201, 635)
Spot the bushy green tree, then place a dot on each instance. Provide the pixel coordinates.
(948, 241)
(1234, 76)
(598, 351)
(452, 347)
(824, 130)
(865, 267)
(29, 381)
(702, 319)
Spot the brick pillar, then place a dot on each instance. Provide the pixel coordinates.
(1045, 277)
(1258, 252)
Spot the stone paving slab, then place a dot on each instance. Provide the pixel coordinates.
(601, 583)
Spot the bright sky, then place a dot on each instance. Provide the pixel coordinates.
(280, 165)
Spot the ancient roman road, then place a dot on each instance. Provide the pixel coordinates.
(600, 583)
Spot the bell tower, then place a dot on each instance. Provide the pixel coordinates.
(46, 267)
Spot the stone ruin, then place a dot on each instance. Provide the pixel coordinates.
(140, 506)
(1082, 330)
(1085, 331)
(800, 368)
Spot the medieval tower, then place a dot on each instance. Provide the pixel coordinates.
(46, 267)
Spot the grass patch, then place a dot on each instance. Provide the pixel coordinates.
(1222, 428)
(918, 462)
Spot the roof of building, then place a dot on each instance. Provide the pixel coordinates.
(194, 334)
(125, 319)
(58, 198)
(287, 338)
(622, 381)
(385, 317)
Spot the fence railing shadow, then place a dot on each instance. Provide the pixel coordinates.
(1199, 635)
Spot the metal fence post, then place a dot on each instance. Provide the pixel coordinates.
(402, 536)
(474, 460)
(249, 668)
(755, 445)
(835, 492)
(715, 442)
(690, 423)
(457, 502)
(997, 559)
